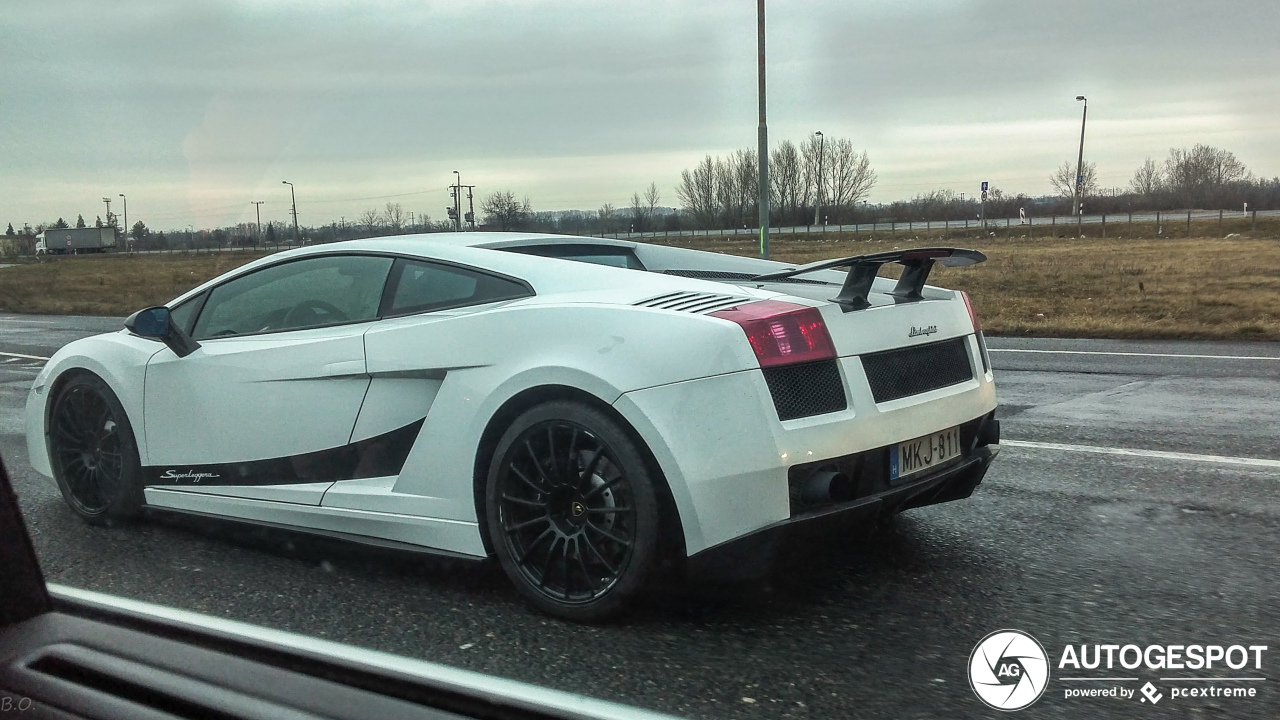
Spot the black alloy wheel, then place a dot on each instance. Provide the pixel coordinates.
(93, 451)
(572, 512)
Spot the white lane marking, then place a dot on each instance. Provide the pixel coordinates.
(1191, 457)
(20, 355)
(1136, 354)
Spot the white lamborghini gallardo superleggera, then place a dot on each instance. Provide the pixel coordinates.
(589, 411)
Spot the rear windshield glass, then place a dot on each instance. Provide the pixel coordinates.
(613, 256)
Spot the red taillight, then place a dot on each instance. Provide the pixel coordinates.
(782, 333)
(973, 315)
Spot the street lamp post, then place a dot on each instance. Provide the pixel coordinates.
(763, 201)
(817, 205)
(125, 204)
(1080, 158)
(297, 237)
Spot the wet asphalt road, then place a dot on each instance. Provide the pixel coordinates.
(1071, 546)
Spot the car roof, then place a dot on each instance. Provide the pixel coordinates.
(483, 250)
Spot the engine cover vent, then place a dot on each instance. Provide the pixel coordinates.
(694, 302)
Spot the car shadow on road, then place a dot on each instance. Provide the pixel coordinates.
(898, 558)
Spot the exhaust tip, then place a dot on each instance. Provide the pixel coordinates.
(827, 486)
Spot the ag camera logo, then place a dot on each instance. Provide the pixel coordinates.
(1009, 670)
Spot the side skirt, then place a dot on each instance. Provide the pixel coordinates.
(455, 538)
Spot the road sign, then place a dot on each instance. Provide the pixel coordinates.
(984, 186)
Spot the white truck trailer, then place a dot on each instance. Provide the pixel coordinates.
(75, 241)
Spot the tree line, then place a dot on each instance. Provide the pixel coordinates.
(822, 179)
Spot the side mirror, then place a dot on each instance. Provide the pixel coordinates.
(156, 323)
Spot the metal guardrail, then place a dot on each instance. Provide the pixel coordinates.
(1172, 218)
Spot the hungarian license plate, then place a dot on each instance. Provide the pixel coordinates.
(923, 453)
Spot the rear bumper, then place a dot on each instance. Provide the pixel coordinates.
(750, 556)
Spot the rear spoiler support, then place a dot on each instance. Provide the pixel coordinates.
(916, 262)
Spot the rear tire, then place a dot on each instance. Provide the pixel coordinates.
(93, 451)
(572, 512)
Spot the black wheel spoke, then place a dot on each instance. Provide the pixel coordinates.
(590, 469)
(522, 501)
(592, 546)
(551, 451)
(601, 488)
(528, 523)
(546, 563)
(582, 563)
(537, 463)
(564, 569)
(611, 536)
(573, 446)
(607, 510)
(533, 545)
(525, 478)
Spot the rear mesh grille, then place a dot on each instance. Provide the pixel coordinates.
(806, 389)
(694, 302)
(900, 373)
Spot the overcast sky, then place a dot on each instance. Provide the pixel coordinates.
(194, 109)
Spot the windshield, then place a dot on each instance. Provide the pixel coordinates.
(1014, 450)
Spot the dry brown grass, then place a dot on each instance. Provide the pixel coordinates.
(1118, 288)
(1114, 288)
(108, 284)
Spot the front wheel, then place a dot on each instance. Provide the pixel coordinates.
(93, 451)
(572, 511)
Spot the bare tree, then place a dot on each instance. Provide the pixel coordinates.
(810, 167)
(370, 218)
(651, 198)
(608, 216)
(1199, 175)
(501, 208)
(639, 214)
(395, 216)
(746, 184)
(1064, 179)
(786, 181)
(848, 177)
(697, 192)
(1147, 179)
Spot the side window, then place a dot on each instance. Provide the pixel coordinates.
(417, 287)
(184, 314)
(313, 292)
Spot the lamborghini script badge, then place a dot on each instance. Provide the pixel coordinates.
(918, 331)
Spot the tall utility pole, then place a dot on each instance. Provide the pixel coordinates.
(817, 205)
(457, 202)
(764, 139)
(297, 237)
(125, 202)
(257, 209)
(110, 222)
(1080, 160)
(471, 207)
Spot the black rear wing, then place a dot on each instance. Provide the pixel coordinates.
(916, 262)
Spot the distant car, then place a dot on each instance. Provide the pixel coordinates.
(589, 411)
